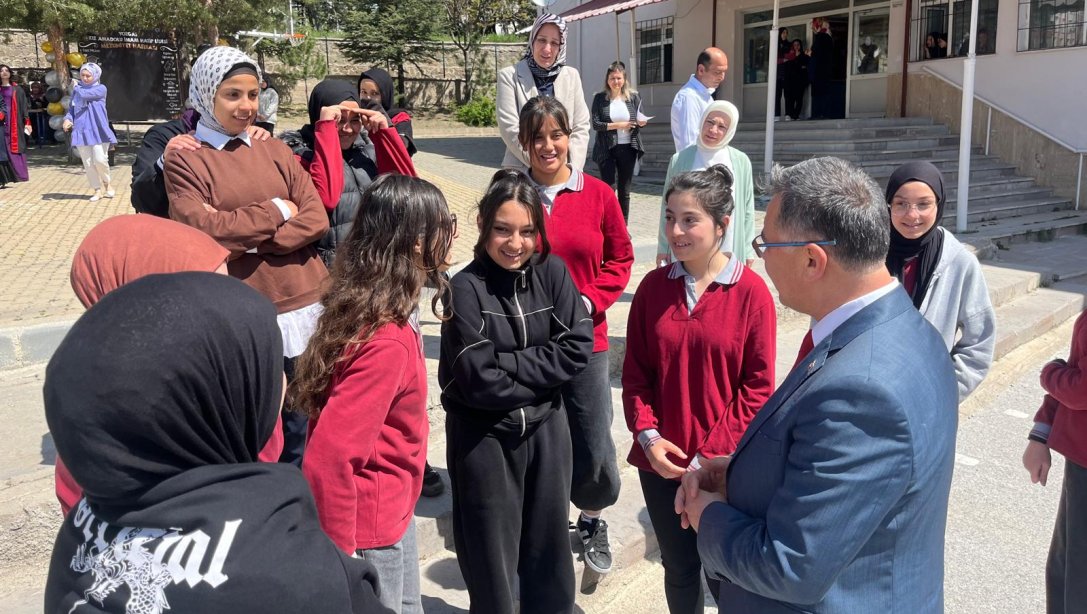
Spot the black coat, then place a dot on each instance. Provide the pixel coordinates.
(515, 337)
(600, 115)
(359, 171)
(148, 184)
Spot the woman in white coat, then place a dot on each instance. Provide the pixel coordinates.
(542, 72)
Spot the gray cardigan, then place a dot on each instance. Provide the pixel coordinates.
(957, 304)
(516, 86)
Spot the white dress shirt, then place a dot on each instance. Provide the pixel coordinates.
(687, 108)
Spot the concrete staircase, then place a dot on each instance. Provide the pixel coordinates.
(1004, 207)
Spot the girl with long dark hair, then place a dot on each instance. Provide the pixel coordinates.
(362, 380)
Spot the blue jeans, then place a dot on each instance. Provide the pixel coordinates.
(397, 573)
(587, 397)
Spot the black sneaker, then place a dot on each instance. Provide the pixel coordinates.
(594, 541)
(432, 482)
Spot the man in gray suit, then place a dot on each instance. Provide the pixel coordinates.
(836, 497)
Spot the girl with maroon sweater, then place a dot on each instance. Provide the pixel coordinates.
(699, 365)
(1061, 425)
(362, 381)
(586, 228)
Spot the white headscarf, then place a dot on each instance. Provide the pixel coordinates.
(207, 75)
(708, 155)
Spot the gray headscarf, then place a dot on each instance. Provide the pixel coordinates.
(207, 74)
(560, 61)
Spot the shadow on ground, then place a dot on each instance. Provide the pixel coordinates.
(479, 150)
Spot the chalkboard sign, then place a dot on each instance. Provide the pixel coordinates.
(140, 69)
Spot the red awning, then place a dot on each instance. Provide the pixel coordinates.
(594, 8)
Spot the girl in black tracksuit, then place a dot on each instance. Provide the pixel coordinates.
(518, 331)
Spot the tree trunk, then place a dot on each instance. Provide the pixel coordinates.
(399, 102)
(55, 34)
(467, 76)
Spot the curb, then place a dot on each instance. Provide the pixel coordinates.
(23, 346)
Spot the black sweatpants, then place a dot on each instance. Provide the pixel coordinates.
(511, 496)
(678, 546)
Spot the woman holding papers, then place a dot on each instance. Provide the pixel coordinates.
(616, 117)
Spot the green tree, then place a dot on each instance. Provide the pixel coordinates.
(468, 21)
(395, 32)
(191, 21)
(300, 62)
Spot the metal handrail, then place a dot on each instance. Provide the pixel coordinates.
(1027, 123)
(992, 105)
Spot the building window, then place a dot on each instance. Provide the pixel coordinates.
(1050, 24)
(870, 41)
(939, 29)
(756, 54)
(654, 51)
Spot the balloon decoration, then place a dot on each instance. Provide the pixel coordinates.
(52, 79)
(55, 108)
(54, 94)
(66, 102)
(56, 122)
(47, 47)
(50, 57)
(60, 136)
(75, 60)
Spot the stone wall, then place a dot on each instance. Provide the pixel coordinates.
(1032, 153)
(438, 83)
(20, 50)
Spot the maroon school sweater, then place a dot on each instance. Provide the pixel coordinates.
(698, 377)
(365, 452)
(1065, 404)
(586, 229)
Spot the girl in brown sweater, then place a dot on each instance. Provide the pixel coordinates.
(255, 200)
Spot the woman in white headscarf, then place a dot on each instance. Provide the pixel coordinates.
(718, 127)
(256, 200)
(542, 72)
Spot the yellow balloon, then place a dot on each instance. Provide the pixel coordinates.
(47, 47)
(75, 60)
(55, 108)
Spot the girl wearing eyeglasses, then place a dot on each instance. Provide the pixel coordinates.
(699, 365)
(719, 122)
(362, 381)
(943, 279)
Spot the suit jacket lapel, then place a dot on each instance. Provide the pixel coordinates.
(528, 83)
(885, 308)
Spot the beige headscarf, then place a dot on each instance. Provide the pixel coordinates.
(717, 154)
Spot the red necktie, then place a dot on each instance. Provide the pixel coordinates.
(806, 347)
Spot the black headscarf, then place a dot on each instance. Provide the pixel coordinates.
(926, 248)
(327, 93)
(160, 398)
(385, 86)
(190, 378)
(330, 92)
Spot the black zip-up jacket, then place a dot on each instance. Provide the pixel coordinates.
(515, 337)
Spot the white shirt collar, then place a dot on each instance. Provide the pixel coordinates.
(218, 140)
(823, 328)
(697, 86)
(728, 275)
